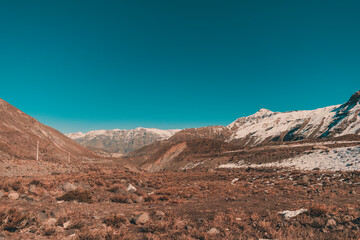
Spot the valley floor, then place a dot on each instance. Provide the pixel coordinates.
(222, 204)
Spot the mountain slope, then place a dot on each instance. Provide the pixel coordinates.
(121, 141)
(266, 126)
(19, 134)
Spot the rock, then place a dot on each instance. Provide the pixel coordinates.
(139, 199)
(50, 222)
(213, 231)
(131, 188)
(13, 196)
(305, 179)
(32, 188)
(67, 187)
(3, 236)
(70, 232)
(1, 194)
(347, 218)
(41, 216)
(67, 224)
(141, 218)
(159, 215)
(330, 223)
(129, 201)
(291, 214)
(83, 185)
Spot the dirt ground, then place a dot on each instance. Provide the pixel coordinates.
(107, 203)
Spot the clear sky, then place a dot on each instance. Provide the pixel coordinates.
(84, 65)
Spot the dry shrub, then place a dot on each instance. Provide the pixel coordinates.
(317, 210)
(114, 188)
(49, 231)
(119, 198)
(35, 182)
(87, 234)
(13, 220)
(80, 196)
(116, 221)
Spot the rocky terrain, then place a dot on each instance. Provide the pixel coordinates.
(109, 203)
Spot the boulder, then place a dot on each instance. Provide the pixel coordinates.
(32, 188)
(139, 199)
(159, 215)
(131, 188)
(330, 223)
(1, 194)
(13, 196)
(213, 231)
(67, 187)
(141, 218)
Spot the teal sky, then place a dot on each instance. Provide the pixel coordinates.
(84, 65)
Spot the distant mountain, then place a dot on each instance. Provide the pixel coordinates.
(19, 134)
(191, 147)
(266, 126)
(121, 141)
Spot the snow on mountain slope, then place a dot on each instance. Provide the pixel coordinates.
(120, 140)
(337, 159)
(265, 125)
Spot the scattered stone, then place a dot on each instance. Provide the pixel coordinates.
(67, 224)
(32, 188)
(50, 222)
(213, 231)
(13, 196)
(330, 223)
(70, 232)
(159, 215)
(3, 236)
(131, 188)
(141, 218)
(234, 180)
(291, 214)
(83, 185)
(347, 218)
(129, 201)
(42, 216)
(139, 199)
(67, 187)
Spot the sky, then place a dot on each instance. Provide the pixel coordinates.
(85, 65)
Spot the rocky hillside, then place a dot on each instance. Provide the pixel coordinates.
(19, 134)
(244, 138)
(266, 126)
(120, 140)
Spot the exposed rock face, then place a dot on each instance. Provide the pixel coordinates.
(19, 134)
(121, 141)
(266, 126)
(191, 148)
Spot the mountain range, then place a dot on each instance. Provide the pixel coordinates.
(261, 128)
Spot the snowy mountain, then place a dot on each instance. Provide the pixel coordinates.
(267, 126)
(120, 140)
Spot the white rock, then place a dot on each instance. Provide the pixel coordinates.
(213, 231)
(131, 188)
(291, 214)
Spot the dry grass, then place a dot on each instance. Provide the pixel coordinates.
(80, 196)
